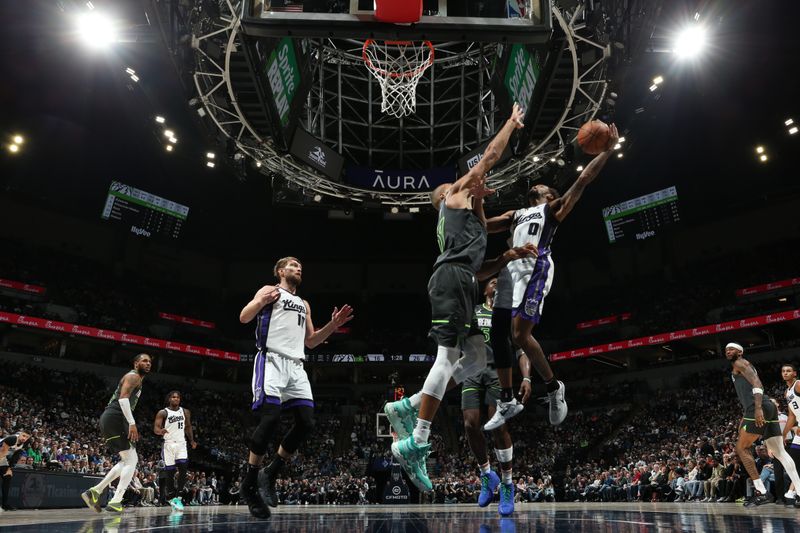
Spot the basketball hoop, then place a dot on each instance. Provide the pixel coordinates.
(398, 66)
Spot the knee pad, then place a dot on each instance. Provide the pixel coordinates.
(303, 427)
(440, 373)
(270, 415)
(501, 337)
(473, 361)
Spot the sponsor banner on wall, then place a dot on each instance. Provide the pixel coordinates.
(22, 286)
(187, 320)
(768, 287)
(40, 489)
(116, 336)
(603, 321)
(403, 180)
(662, 338)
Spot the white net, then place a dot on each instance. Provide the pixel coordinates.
(398, 66)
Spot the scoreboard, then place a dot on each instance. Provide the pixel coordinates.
(642, 217)
(146, 213)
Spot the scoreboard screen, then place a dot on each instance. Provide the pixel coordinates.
(147, 214)
(642, 217)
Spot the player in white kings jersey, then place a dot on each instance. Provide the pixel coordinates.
(283, 330)
(791, 434)
(174, 423)
(529, 282)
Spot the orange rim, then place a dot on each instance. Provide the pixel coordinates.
(409, 74)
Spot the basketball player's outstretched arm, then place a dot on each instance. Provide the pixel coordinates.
(492, 266)
(746, 370)
(158, 425)
(265, 296)
(188, 431)
(562, 206)
(315, 337)
(500, 223)
(458, 195)
(129, 383)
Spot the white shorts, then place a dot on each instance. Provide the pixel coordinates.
(532, 279)
(285, 381)
(175, 452)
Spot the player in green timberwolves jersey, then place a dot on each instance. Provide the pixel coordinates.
(119, 432)
(486, 386)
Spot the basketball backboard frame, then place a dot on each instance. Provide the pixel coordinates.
(258, 20)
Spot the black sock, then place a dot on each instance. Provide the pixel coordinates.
(552, 385)
(275, 466)
(506, 394)
(251, 476)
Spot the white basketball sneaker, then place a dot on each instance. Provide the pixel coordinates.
(504, 412)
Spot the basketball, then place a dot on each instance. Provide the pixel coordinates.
(593, 137)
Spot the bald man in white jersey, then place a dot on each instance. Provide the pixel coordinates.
(284, 329)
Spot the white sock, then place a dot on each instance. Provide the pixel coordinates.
(759, 485)
(422, 431)
(415, 400)
(110, 476)
(506, 476)
(485, 468)
(129, 460)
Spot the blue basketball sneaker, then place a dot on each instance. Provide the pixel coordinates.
(402, 417)
(412, 457)
(506, 507)
(489, 483)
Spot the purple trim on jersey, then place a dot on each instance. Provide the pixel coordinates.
(262, 330)
(170, 467)
(794, 446)
(534, 292)
(259, 368)
(273, 400)
(181, 461)
(297, 403)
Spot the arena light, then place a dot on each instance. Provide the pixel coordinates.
(788, 122)
(169, 133)
(763, 158)
(620, 155)
(258, 164)
(13, 148)
(621, 140)
(617, 146)
(210, 155)
(169, 148)
(130, 71)
(580, 168)
(160, 119)
(135, 78)
(536, 159)
(18, 139)
(658, 80)
(96, 30)
(413, 209)
(690, 42)
(759, 149)
(792, 130)
(210, 164)
(317, 198)
(653, 87)
(394, 210)
(173, 140)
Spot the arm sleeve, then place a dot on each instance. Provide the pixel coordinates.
(125, 405)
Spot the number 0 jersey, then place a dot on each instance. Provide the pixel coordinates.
(534, 225)
(281, 327)
(175, 424)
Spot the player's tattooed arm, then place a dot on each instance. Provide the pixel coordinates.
(746, 370)
(158, 425)
(189, 432)
(500, 222)
(563, 206)
(265, 296)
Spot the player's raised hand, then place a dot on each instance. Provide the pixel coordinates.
(613, 136)
(267, 294)
(480, 190)
(517, 115)
(342, 316)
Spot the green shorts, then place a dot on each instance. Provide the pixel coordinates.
(114, 429)
(453, 292)
(485, 384)
(771, 427)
